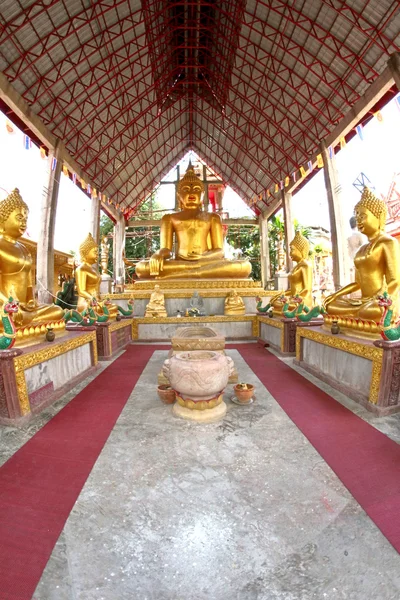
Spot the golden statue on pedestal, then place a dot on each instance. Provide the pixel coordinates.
(88, 281)
(156, 305)
(16, 270)
(300, 278)
(377, 272)
(199, 241)
(234, 304)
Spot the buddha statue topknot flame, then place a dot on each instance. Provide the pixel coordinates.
(199, 241)
(88, 279)
(300, 278)
(16, 266)
(377, 270)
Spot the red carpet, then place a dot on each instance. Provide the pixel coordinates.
(366, 461)
(40, 483)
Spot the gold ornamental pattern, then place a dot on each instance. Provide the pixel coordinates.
(30, 359)
(195, 284)
(370, 352)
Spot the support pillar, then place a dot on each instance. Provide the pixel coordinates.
(205, 201)
(45, 246)
(119, 246)
(95, 219)
(289, 227)
(264, 245)
(394, 66)
(339, 247)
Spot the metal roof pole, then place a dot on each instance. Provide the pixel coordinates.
(45, 245)
(333, 192)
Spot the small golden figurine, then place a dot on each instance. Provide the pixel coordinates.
(377, 270)
(156, 305)
(199, 241)
(16, 267)
(88, 279)
(234, 304)
(105, 251)
(300, 278)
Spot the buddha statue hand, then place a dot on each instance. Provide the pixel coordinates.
(157, 261)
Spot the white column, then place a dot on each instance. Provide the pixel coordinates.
(338, 238)
(45, 246)
(119, 246)
(289, 227)
(95, 219)
(264, 245)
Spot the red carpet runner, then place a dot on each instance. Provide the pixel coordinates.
(40, 483)
(366, 461)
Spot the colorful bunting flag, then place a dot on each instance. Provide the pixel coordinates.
(88, 188)
(310, 165)
(83, 184)
(65, 170)
(342, 142)
(94, 193)
(378, 115)
(42, 152)
(331, 152)
(53, 163)
(398, 101)
(276, 188)
(359, 130)
(320, 162)
(9, 127)
(281, 184)
(287, 181)
(27, 142)
(302, 171)
(294, 175)
(74, 177)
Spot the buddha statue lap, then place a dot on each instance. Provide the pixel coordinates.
(16, 269)
(199, 241)
(300, 278)
(156, 304)
(88, 280)
(234, 304)
(377, 270)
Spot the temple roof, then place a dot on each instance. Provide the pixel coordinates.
(251, 86)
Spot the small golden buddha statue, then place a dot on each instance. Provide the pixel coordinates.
(156, 305)
(199, 241)
(16, 266)
(88, 279)
(377, 268)
(300, 278)
(105, 251)
(234, 304)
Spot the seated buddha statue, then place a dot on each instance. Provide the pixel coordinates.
(16, 266)
(88, 279)
(300, 278)
(234, 304)
(198, 241)
(377, 266)
(156, 304)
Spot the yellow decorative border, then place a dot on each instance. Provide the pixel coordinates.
(274, 323)
(179, 320)
(372, 353)
(144, 295)
(115, 325)
(194, 284)
(30, 359)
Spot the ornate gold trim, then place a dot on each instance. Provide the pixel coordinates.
(200, 405)
(271, 321)
(368, 351)
(194, 284)
(218, 293)
(30, 359)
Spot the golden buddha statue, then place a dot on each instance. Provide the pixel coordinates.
(156, 305)
(234, 304)
(377, 268)
(300, 278)
(16, 268)
(88, 279)
(199, 241)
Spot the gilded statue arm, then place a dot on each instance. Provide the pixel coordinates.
(392, 271)
(81, 277)
(347, 289)
(217, 239)
(166, 242)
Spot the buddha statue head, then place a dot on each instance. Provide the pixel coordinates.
(89, 250)
(13, 215)
(299, 247)
(370, 213)
(190, 190)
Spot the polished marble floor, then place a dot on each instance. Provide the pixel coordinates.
(244, 509)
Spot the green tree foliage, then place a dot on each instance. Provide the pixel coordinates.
(247, 239)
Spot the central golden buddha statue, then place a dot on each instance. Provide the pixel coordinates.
(300, 278)
(377, 269)
(198, 238)
(88, 279)
(16, 268)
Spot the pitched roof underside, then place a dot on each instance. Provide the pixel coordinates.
(251, 86)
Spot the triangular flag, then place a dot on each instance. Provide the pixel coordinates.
(94, 193)
(65, 170)
(331, 152)
(42, 152)
(378, 115)
(320, 162)
(276, 188)
(287, 181)
(294, 175)
(83, 184)
(74, 177)
(359, 130)
(302, 171)
(342, 142)
(9, 127)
